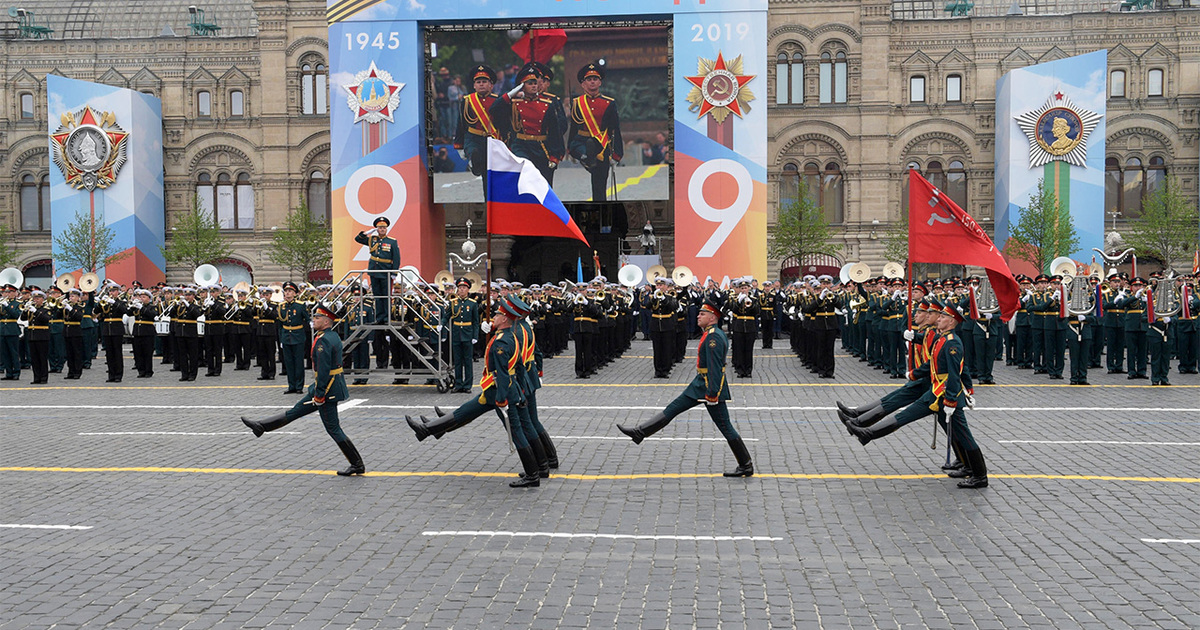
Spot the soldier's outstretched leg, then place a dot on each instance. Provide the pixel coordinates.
(864, 419)
(866, 434)
(445, 423)
(645, 429)
(266, 425)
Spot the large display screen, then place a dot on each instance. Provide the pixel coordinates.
(594, 141)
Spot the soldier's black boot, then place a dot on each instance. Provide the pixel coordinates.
(647, 428)
(437, 427)
(539, 456)
(857, 411)
(352, 456)
(957, 469)
(266, 424)
(874, 431)
(548, 447)
(530, 478)
(745, 465)
(861, 419)
(978, 478)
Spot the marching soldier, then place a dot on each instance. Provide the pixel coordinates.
(594, 134)
(464, 332)
(292, 315)
(709, 386)
(328, 389)
(529, 123)
(10, 334)
(384, 256)
(502, 390)
(475, 124)
(112, 331)
(144, 313)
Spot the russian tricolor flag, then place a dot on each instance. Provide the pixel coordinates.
(520, 201)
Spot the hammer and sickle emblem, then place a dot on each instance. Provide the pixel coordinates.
(934, 216)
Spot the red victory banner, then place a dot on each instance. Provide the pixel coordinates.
(941, 232)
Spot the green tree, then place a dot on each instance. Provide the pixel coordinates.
(1043, 230)
(196, 239)
(304, 246)
(86, 244)
(8, 249)
(1167, 228)
(801, 230)
(895, 244)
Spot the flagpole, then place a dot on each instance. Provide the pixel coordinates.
(487, 271)
(909, 343)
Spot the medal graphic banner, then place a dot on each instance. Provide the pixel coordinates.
(378, 145)
(1050, 125)
(106, 145)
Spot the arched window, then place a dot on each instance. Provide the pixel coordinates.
(916, 89)
(904, 186)
(1116, 84)
(35, 203)
(1133, 188)
(237, 103)
(839, 77)
(244, 210)
(1154, 82)
(935, 175)
(314, 95)
(26, 105)
(832, 194)
(205, 193)
(1112, 187)
(826, 77)
(956, 183)
(204, 103)
(317, 196)
(954, 88)
(1156, 174)
(789, 78)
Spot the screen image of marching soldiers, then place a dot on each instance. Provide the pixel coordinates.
(589, 107)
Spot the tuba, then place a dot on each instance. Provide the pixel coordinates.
(1168, 302)
(985, 296)
(630, 276)
(206, 276)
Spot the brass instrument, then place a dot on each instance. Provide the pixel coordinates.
(206, 276)
(13, 276)
(65, 282)
(630, 275)
(1168, 302)
(682, 276)
(656, 272)
(1081, 299)
(1063, 266)
(893, 270)
(859, 272)
(89, 282)
(985, 296)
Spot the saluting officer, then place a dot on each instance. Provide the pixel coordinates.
(384, 256)
(594, 134)
(529, 124)
(328, 389)
(708, 386)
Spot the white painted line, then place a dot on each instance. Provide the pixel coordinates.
(1181, 541)
(183, 433)
(349, 404)
(596, 536)
(1105, 442)
(655, 438)
(20, 526)
(809, 408)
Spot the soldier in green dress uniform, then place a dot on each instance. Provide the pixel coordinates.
(709, 386)
(328, 389)
(384, 256)
(292, 315)
(464, 332)
(10, 334)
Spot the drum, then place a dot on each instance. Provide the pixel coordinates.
(162, 325)
(200, 325)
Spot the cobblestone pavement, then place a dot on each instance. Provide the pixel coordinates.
(182, 519)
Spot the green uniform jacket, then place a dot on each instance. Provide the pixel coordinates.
(464, 320)
(498, 383)
(385, 251)
(710, 367)
(292, 316)
(328, 381)
(8, 319)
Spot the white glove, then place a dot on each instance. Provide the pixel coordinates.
(1166, 320)
(987, 316)
(438, 328)
(1028, 293)
(908, 375)
(970, 401)
(486, 327)
(824, 292)
(1082, 317)
(838, 311)
(208, 302)
(68, 308)
(515, 91)
(909, 335)
(1121, 295)
(1054, 296)
(1139, 293)
(474, 341)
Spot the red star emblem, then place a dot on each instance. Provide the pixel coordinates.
(1058, 96)
(386, 111)
(707, 105)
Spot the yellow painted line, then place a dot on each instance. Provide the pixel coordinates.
(810, 476)
(637, 179)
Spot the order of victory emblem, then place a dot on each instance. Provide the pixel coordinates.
(719, 88)
(1058, 131)
(374, 96)
(89, 148)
